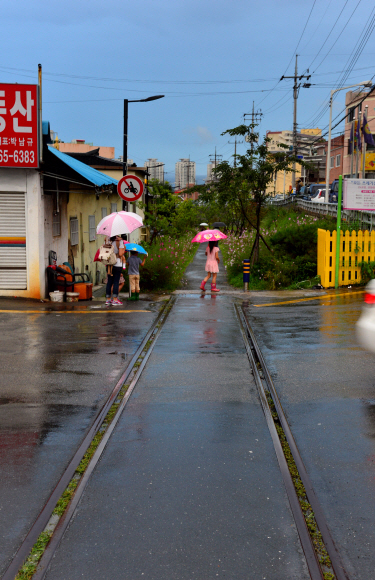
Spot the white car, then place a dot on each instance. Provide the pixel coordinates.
(365, 327)
(320, 196)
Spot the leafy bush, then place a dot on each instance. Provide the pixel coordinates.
(367, 271)
(292, 237)
(166, 263)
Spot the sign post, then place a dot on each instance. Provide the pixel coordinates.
(359, 194)
(338, 232)
(130, 188)
(19, 130)
(246, 275)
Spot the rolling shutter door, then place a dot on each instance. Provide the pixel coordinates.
(13, 271)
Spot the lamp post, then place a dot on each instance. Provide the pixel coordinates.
(125, 142)
(328, 159)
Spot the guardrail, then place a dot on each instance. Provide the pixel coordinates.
(365, 220)
(280, 202)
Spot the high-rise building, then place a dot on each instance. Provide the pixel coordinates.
(211, 176)
(155, 169)
(184, 173)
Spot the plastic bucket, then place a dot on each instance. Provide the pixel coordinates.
(72, 296)
(57, 296)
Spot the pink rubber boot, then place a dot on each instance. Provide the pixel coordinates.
(214, 289)
(202, 286)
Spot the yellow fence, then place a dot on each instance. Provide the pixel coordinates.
(355, 247)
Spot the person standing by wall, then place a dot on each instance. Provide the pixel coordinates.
(114, 274)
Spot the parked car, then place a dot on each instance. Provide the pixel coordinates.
(334, 191)
(312, 189)
(365, 327)
(319, 196)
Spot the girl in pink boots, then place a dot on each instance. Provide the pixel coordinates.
(212, 265)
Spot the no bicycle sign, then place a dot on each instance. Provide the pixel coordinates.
(130, 188)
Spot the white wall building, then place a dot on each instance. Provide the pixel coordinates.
(155, 169)
(184, 173)
(210, 175)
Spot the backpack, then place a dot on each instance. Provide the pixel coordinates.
(107, 255)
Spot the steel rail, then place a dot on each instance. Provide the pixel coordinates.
(303, 532)
(44, 516)
(334, 556)
(65, 519)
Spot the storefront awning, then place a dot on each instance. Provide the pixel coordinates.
(92, 175)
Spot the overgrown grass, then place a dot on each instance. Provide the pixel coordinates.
(292, 263)
(166, 263)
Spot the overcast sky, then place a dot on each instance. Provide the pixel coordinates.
(209, 58)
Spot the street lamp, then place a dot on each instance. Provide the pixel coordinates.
(328, 161)
(125, 146)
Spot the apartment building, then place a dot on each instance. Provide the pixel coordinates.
(355, 109)
(184, 173)
(155, 169)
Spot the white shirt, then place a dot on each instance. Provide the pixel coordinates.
(116, 249)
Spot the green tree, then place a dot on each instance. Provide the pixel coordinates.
(241, 190)
(160, 209)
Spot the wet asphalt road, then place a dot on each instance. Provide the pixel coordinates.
(189, 485)
(57, 370)
(326, 383)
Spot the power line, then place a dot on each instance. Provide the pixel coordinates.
(338, 36)
(349, 66)
(328, 35)
(294, 52)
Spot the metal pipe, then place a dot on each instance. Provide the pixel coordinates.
(358, 141)
(364, 147)
(40, 113)
(338, 233)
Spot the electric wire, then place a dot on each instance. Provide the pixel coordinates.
(349, 66)
(328, 35)
(338, 37)
(294, 53)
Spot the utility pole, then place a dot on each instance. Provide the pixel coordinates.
(255, 117)
(235, 149)
(296, 87)
(215, 160)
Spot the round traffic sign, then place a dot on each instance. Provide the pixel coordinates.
(130, 187)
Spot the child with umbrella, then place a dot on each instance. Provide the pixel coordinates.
(133, 268)
(212, 253)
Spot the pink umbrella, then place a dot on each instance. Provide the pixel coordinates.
(120, 222)
(209, 236)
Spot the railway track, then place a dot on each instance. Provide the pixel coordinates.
(313, 530)
(50, 526)
(321, 555)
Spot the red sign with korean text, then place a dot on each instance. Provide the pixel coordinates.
(19, 125)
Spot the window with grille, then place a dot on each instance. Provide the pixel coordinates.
(104, 212)
(351, 113)
(92, 232)
(56, 224)
(113, 207)
(74, 235)
(332, 162)
(338, 160)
